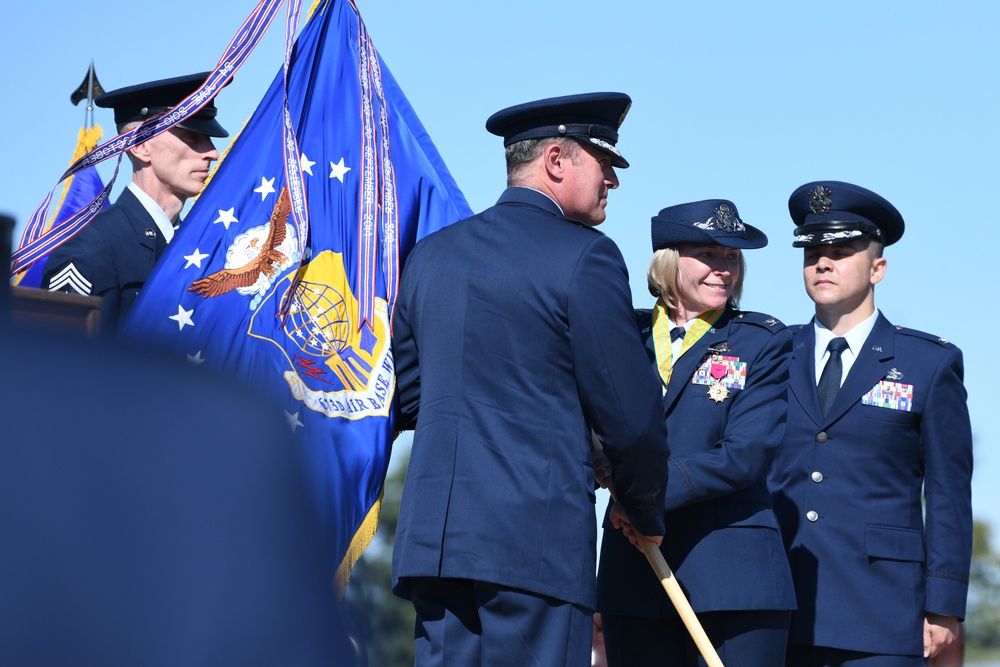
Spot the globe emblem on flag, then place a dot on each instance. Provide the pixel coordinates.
(318, 320)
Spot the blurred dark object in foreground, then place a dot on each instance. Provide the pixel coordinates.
(152, 513)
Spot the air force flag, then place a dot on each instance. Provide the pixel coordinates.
(285, 270)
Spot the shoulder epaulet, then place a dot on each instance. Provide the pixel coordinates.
(643, 318)
(940, 340)
(763, 320)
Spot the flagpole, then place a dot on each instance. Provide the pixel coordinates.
(88, 120)
(87, 138)
(672, 587)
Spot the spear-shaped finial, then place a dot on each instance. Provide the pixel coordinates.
(88, 90)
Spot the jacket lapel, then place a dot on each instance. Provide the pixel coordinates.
(868, 369)
(802, 380)
(685, 367)
(142, 224)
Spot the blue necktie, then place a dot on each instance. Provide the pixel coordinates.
(677, 333)
(829, 382)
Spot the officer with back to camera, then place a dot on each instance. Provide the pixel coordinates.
(513, 338)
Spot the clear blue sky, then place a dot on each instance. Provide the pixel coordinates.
(739, 100)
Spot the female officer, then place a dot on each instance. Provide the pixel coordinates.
(725, 375)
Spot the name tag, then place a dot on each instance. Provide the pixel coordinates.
(891, 395)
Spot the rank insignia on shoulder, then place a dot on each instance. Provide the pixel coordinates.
(893, 374)
(770, 321)
(942, 340)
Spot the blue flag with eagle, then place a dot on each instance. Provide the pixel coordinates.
(285, 270)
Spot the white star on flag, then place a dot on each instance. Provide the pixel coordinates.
(306, 164)
(337, 170)
(293, 420)
(195, 258)
(183, 317)
(196, 358)
(227, 217)
(266, 187)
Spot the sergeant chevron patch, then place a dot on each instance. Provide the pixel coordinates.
(70, 280)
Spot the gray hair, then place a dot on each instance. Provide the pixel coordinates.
(522, 153)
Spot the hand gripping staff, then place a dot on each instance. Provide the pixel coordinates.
(672, 587)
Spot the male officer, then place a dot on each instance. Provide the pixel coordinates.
(876, 416)
(514, 336)
(113, 255)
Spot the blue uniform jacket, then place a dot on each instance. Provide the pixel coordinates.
(513, 337)
(115, 254)
(848, 492)
(722, 538)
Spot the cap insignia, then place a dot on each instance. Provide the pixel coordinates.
(725, 219)
(728, 220)
(819, 199)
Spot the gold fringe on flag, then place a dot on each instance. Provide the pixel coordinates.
(362, 538)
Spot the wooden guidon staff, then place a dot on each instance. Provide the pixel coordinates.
(673, 589)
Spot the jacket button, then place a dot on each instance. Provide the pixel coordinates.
(817, 477)
(812, 515)
(822, 436)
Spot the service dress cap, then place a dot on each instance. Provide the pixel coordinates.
(829, 212)
(592, 118)
(707, 222)
(139, 102)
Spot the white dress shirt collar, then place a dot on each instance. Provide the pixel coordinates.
(159, 217)
(856, 338)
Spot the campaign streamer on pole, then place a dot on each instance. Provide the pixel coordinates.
(307, 316)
